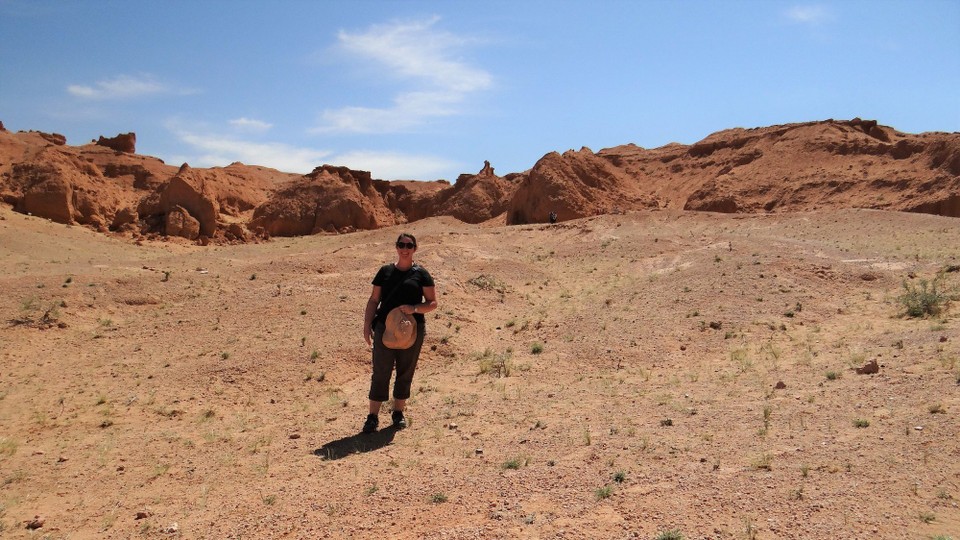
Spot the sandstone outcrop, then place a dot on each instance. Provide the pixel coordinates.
(179, 222)
(186, 190)
(575, 185)
(475, 198)
(124, 142)
(62, 188)
(329, 199)
(784, 168)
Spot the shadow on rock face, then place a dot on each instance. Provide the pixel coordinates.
(356, 444)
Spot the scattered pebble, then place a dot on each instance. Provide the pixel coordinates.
(143, 514)
(294, 435)
(35, 523)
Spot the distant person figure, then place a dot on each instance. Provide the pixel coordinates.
(553, 217)
(408, 286)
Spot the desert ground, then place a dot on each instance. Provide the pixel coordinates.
(654, 374)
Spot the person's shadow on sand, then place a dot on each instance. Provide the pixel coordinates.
(356, 444)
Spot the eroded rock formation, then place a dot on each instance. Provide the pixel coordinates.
(793, 167)
(124, 142)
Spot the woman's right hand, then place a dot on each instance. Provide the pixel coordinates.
(366, 336)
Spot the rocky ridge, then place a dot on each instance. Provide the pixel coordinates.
(857, 163)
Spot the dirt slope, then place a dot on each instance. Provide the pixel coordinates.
(609, 377)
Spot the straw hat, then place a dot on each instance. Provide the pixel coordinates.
(400, 330)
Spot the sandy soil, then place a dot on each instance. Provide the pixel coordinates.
(612, 377)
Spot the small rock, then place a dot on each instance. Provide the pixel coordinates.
(943, 339)
(294, 436)
(61, 459)
(453, 426)
(143, 514)
(35, 523)
(869, 368)
(918, 428)
(780, 385)
(478, 451)
(683, 347)
(173, 528)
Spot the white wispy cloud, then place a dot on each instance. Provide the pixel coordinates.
(413, 51)
(249, 124)
(124, 87)
(394, 165)
(809, 14)
(211, 149)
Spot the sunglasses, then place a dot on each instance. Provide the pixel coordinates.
(406, 245)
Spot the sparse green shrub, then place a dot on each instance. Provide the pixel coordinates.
(515, 463)
(536, 348)
(8, 447)
(926, 298)
(488, 283)
(497, 364)
(763, 462)
(438, 498)
(669, 535)
(604, 492)
(861, 423)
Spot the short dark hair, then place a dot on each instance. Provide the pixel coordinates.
(410, 236)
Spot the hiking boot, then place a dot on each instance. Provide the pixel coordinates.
(399, 421)
(371, 424)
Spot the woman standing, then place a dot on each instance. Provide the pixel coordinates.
(406, 285)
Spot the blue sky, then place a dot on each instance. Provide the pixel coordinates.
(428, 90)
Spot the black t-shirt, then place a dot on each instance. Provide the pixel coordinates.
(399, 287)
